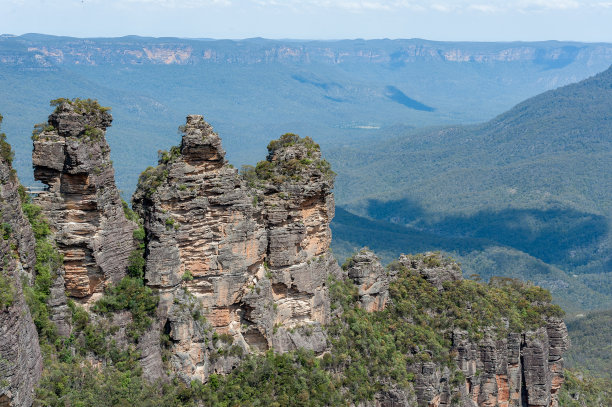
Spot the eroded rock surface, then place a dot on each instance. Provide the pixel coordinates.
(433, 267)
(252, 249)
(524, 369)
(71, 156)
(371, 279)
(20, 356)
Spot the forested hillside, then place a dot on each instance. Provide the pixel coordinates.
(591, 345)
(530, 187)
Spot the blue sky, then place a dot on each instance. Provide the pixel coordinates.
(472, 20)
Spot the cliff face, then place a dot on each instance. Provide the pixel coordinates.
(521, 369)
(82, 203)
(241, 263)
(50, 51)
(20, 356)
(253, 251)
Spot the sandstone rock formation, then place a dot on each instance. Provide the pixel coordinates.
(82, 203)
(433, 267)
(524, 369)
(371, 279)
(252, 249)
(20, 356)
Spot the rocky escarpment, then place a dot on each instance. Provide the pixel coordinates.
(521, 367)
(252, 248)
(81, 201)
(371, 279)
(20, 356)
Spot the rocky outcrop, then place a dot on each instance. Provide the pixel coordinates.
(371, 279)
(436, 269)
(523, 369)
(71, 156)
(252, 248)
(20, 356)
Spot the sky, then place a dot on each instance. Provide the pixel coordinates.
(449, 20)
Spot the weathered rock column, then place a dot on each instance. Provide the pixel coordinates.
(251, 249)
(71, 156)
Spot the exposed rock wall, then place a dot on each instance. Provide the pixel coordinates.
(371, 279)
(524, 369)
(20, 356)
(71, 156)
(253, 251)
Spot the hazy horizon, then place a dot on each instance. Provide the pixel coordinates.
(3, 34)
(444, 20)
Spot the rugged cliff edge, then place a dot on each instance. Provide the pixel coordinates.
(71, 156)
(20, 356)
(228, 286)
(518, 363)
(252, 248)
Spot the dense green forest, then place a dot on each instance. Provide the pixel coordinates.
(530, 187)
(591, 348)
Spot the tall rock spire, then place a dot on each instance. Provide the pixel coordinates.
(71, 156)
(251, 248)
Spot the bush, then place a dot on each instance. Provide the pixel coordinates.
(6, 152)
(7, 291)
(187, 276)
(132, 295)
(81, 106)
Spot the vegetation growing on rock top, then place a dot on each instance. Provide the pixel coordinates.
(373, 349)
(290, 139)
(290, 158)
(80, 106)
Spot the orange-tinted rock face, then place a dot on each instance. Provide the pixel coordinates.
(253, 252)
(81, 202)
(524, 368)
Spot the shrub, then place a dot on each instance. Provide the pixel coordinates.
(132, 295)
(7, 229)
(81, 106)
(7, 291)
(6, 152)
(136, 264)
(187, 276)
(165, 157)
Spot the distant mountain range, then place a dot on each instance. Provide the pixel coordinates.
(338, 92)
(527, 194)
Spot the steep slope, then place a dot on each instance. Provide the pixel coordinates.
(591, 348)
(535, 179)
(20, 355)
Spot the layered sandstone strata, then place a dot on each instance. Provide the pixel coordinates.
(524, 369)
(71, 156)
(252, 248)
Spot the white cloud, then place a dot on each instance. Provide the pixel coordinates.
(445, 6)
(441, 6)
